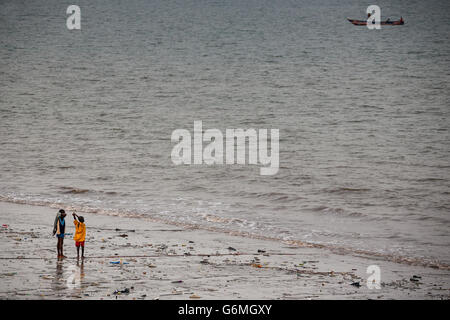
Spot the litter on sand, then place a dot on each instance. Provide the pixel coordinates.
(126, 291)
(118, 262)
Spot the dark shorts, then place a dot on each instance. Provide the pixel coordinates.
(60, 236)
(79, 243)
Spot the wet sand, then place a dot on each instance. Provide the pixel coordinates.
(160, 261)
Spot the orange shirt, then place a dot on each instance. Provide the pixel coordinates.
(80, 231)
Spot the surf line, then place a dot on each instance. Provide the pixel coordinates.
(235, 140)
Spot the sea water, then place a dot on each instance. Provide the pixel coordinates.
(86, 116)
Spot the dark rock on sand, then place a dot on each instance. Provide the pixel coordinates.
(126, 291)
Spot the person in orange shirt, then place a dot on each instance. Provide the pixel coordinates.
(80, 234)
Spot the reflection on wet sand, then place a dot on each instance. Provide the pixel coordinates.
(58, 282)
(69, 276)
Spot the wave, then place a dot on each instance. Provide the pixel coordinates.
(273, 196)
(424, 262)
(337, 211)
(71, 190)
(346, 190)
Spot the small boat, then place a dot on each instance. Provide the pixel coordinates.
(383, 23)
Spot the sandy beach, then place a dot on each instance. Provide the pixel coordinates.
(130, 258)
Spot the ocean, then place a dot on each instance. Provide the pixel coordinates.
(86, 117)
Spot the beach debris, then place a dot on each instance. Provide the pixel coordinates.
(204, 261)
(9, 274)
(256, 265)
(126, 291)
(177, 281)
(190, 241)
(261, 251)
(356, 284)
(162, 247)
(174, 292)
(117, 229)
(118, 262)
(194, 296)
(123, 235)
(417, 277)
(5, 226)
(231, 249)
(414, 279)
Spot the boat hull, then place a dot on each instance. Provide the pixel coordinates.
(383, 23)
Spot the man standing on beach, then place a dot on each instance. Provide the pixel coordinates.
(59, 228)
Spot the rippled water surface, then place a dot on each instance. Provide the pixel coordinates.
(86, 116)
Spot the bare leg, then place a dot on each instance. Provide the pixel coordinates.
(62, 247)
(82, 251)
(78, 252)
(57, 247)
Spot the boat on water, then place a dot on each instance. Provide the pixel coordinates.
(383, 23)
